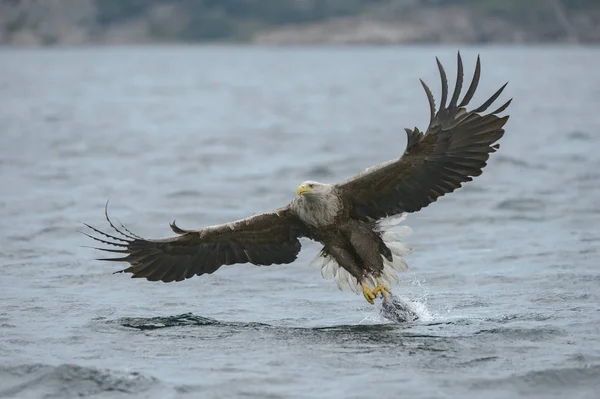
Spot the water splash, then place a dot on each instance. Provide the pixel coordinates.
(400, 309)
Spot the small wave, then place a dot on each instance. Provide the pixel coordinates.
(320, 171)
(68, 381)
(588, 176)
(505, 159)
(509, 318)
(185, 193)
(186, 319)
(353, 335)
(521, 204)
(578, 379)
(525, 334)
(478, 361)
(579, 135)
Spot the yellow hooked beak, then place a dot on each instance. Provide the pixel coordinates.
(303, 189)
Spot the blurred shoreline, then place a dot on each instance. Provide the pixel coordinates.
(429, 25)
(93, 22)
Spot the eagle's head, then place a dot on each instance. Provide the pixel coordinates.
(311, 189)
(316, 203)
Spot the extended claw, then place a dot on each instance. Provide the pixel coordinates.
(369, 295)
(384, 289)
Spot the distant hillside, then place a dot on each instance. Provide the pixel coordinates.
(71, 22)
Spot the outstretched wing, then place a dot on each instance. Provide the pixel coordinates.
(265, 239)
(455, 147)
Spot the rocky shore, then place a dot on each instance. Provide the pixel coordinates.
(60, 22)
(436, 25)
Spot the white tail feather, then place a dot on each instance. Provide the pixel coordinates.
(389, 275)
(392, 221)
(329, 269)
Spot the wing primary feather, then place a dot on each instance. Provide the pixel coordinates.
(455, 148)
(490, 100)
(175, 272)
(502, 108)
(159, 272)
(431, 101)
(104, 234)
(123, 259)
(444, 80)
(140, 258)
(189, 270)
(459, 82)
(111, 223)
(469, 95)
(118, 251)
(132, 235)
(104, 241)
(140, 270)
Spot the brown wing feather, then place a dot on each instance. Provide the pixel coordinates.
(455, 148)
(265, 239)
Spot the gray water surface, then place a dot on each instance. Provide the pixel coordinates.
(505, 274)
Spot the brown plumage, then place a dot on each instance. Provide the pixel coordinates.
(455, 148)
(344, 217)
(265, 239)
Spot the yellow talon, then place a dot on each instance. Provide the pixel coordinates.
(369, 295)
(382, 288)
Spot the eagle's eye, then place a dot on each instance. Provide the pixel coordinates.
(311, 186)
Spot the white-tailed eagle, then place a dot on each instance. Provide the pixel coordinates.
(349, 219)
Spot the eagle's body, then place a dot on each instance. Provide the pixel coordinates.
(355, 246)
(349, 219)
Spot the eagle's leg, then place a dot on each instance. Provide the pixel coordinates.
(384, 289)
(347, 260)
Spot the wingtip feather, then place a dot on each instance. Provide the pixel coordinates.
(503, 107)
(474, 83)
(444, 81)
(430, 99)
(459, 81)
(490, 100)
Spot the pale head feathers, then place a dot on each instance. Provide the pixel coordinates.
(316, 203)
